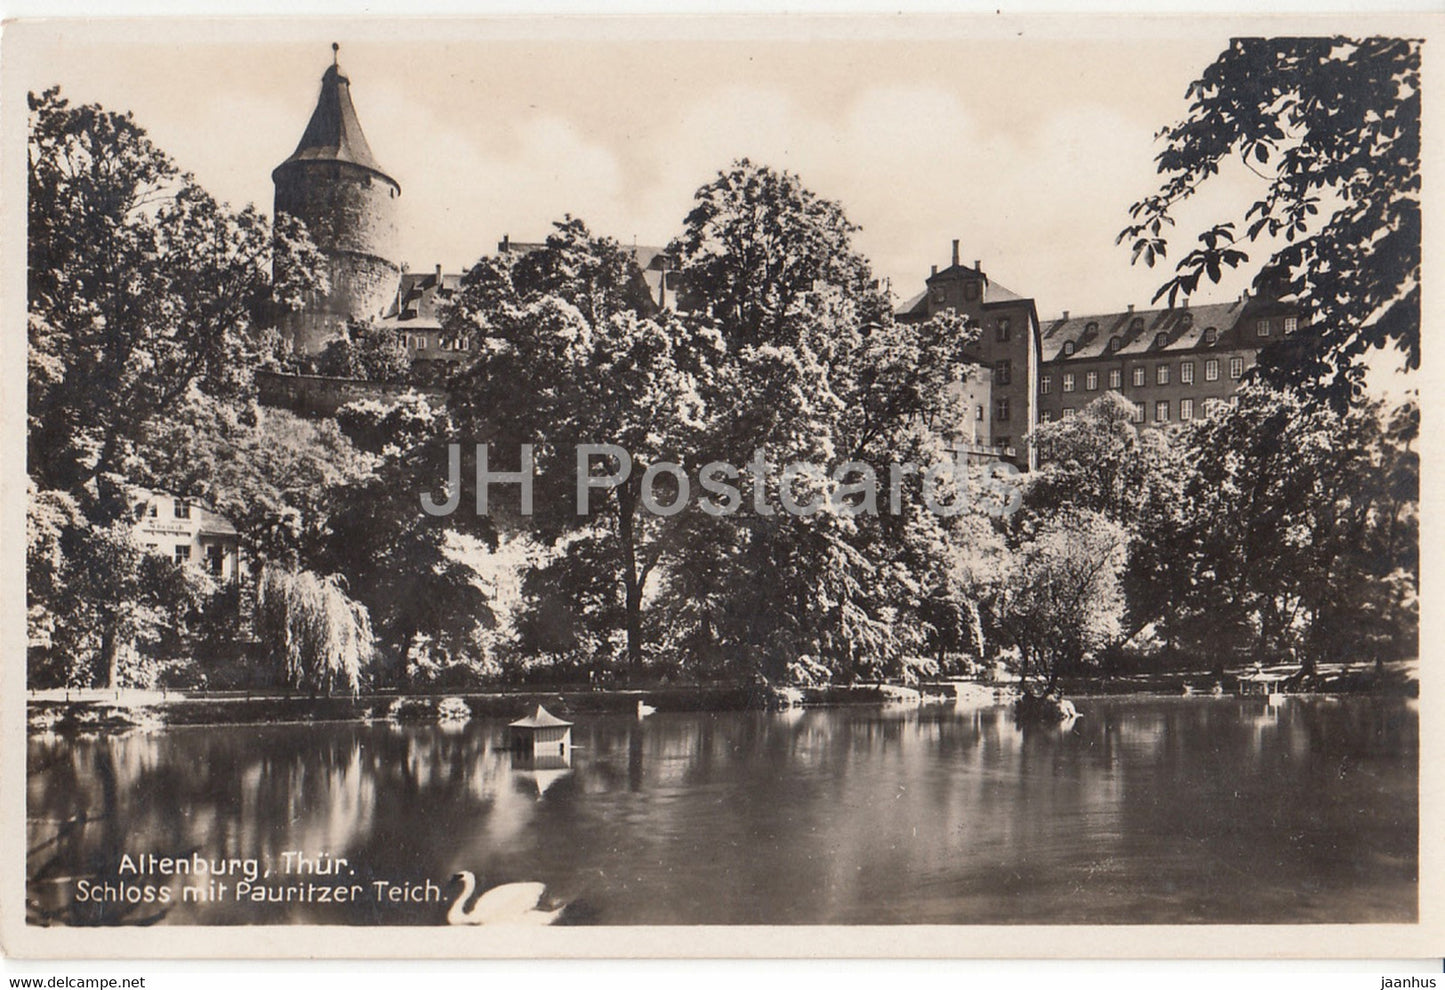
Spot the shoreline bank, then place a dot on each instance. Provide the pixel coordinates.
(98, 709)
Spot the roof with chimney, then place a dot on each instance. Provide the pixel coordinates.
(1146, 331)
(419, 296)
(334, 133)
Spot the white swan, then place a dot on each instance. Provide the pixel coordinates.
(644, 709)
(509, 904)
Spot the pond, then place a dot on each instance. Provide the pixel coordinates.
(1146, 810)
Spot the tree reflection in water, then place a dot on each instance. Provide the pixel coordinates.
(1145, 810)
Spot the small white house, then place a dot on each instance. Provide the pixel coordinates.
(542, 734)
(188, 532)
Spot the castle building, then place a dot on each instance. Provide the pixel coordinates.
(333, 183)
(1173, 365)
(1007, 347)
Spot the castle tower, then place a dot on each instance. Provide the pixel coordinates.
(334, 184)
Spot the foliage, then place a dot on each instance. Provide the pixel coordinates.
(274, 475)
(1304, 534)
(1059, 600)
(1333, 125)
(570, 353)
(317, 636)
(1099, 461)
(142, 288)
(366, 351)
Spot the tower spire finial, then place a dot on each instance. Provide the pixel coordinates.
(335, 53)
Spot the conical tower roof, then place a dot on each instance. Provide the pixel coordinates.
(334, 134)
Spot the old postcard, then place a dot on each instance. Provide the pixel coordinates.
(913, 486)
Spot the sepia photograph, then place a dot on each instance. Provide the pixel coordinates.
(678, 473)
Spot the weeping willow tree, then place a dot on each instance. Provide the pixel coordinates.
(317, 635)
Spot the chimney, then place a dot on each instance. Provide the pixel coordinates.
(1131, 307)
(935, 269)
(1066, 314)
(977, 265)
(955, 253)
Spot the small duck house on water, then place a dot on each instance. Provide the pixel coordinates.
(542, 734)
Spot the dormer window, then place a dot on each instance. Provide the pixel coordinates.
(1210, 335)
(1092, 328)
(1068, 348)
(1160, 339)
(1186, 321)
(1136, 324)
(1115, 343)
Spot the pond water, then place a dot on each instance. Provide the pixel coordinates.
(1146, 810)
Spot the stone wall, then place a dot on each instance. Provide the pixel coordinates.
(317, 395)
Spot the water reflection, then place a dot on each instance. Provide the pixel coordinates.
(1145, 810)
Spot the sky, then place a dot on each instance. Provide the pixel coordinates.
(1026, 140)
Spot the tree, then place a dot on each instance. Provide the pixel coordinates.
(317, 637)
(366, 351)
(1100, 462)
(408, 567)
(1059, 600)
(1333, 125)
(142, 288)
(571, 353)
(274, 475)
(1303, 530)
(814, 371)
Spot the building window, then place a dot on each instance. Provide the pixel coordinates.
(153, 509)
(1161, 374)
(1116, 378)
(1211, 334)
(420, 343)
(1002, 332)
(1261, 328)
(1069, 413)
(1046, 416)
(1186, 372)
(1002, 372)
(1068, 348)
(978, 413)
(1091, 381)
(1186, 408)
(1139, 377)
(1236, 367)
(970, 291)
(1211, 370)
(1212, 406)
(1160, 339)
(1001, 441)
(1046, 384)
(215, 560)
(183, 509)
(1115, 343)
(1000, 410)
(1068, 381)
(1291, 324)
(1234, 400)
(1161, 411)
(1138, 412)
(183, 553)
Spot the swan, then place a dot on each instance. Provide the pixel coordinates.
(509, 904)
(644, 709)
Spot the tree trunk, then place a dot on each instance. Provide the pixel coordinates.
(110, 656)
(631, 586)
